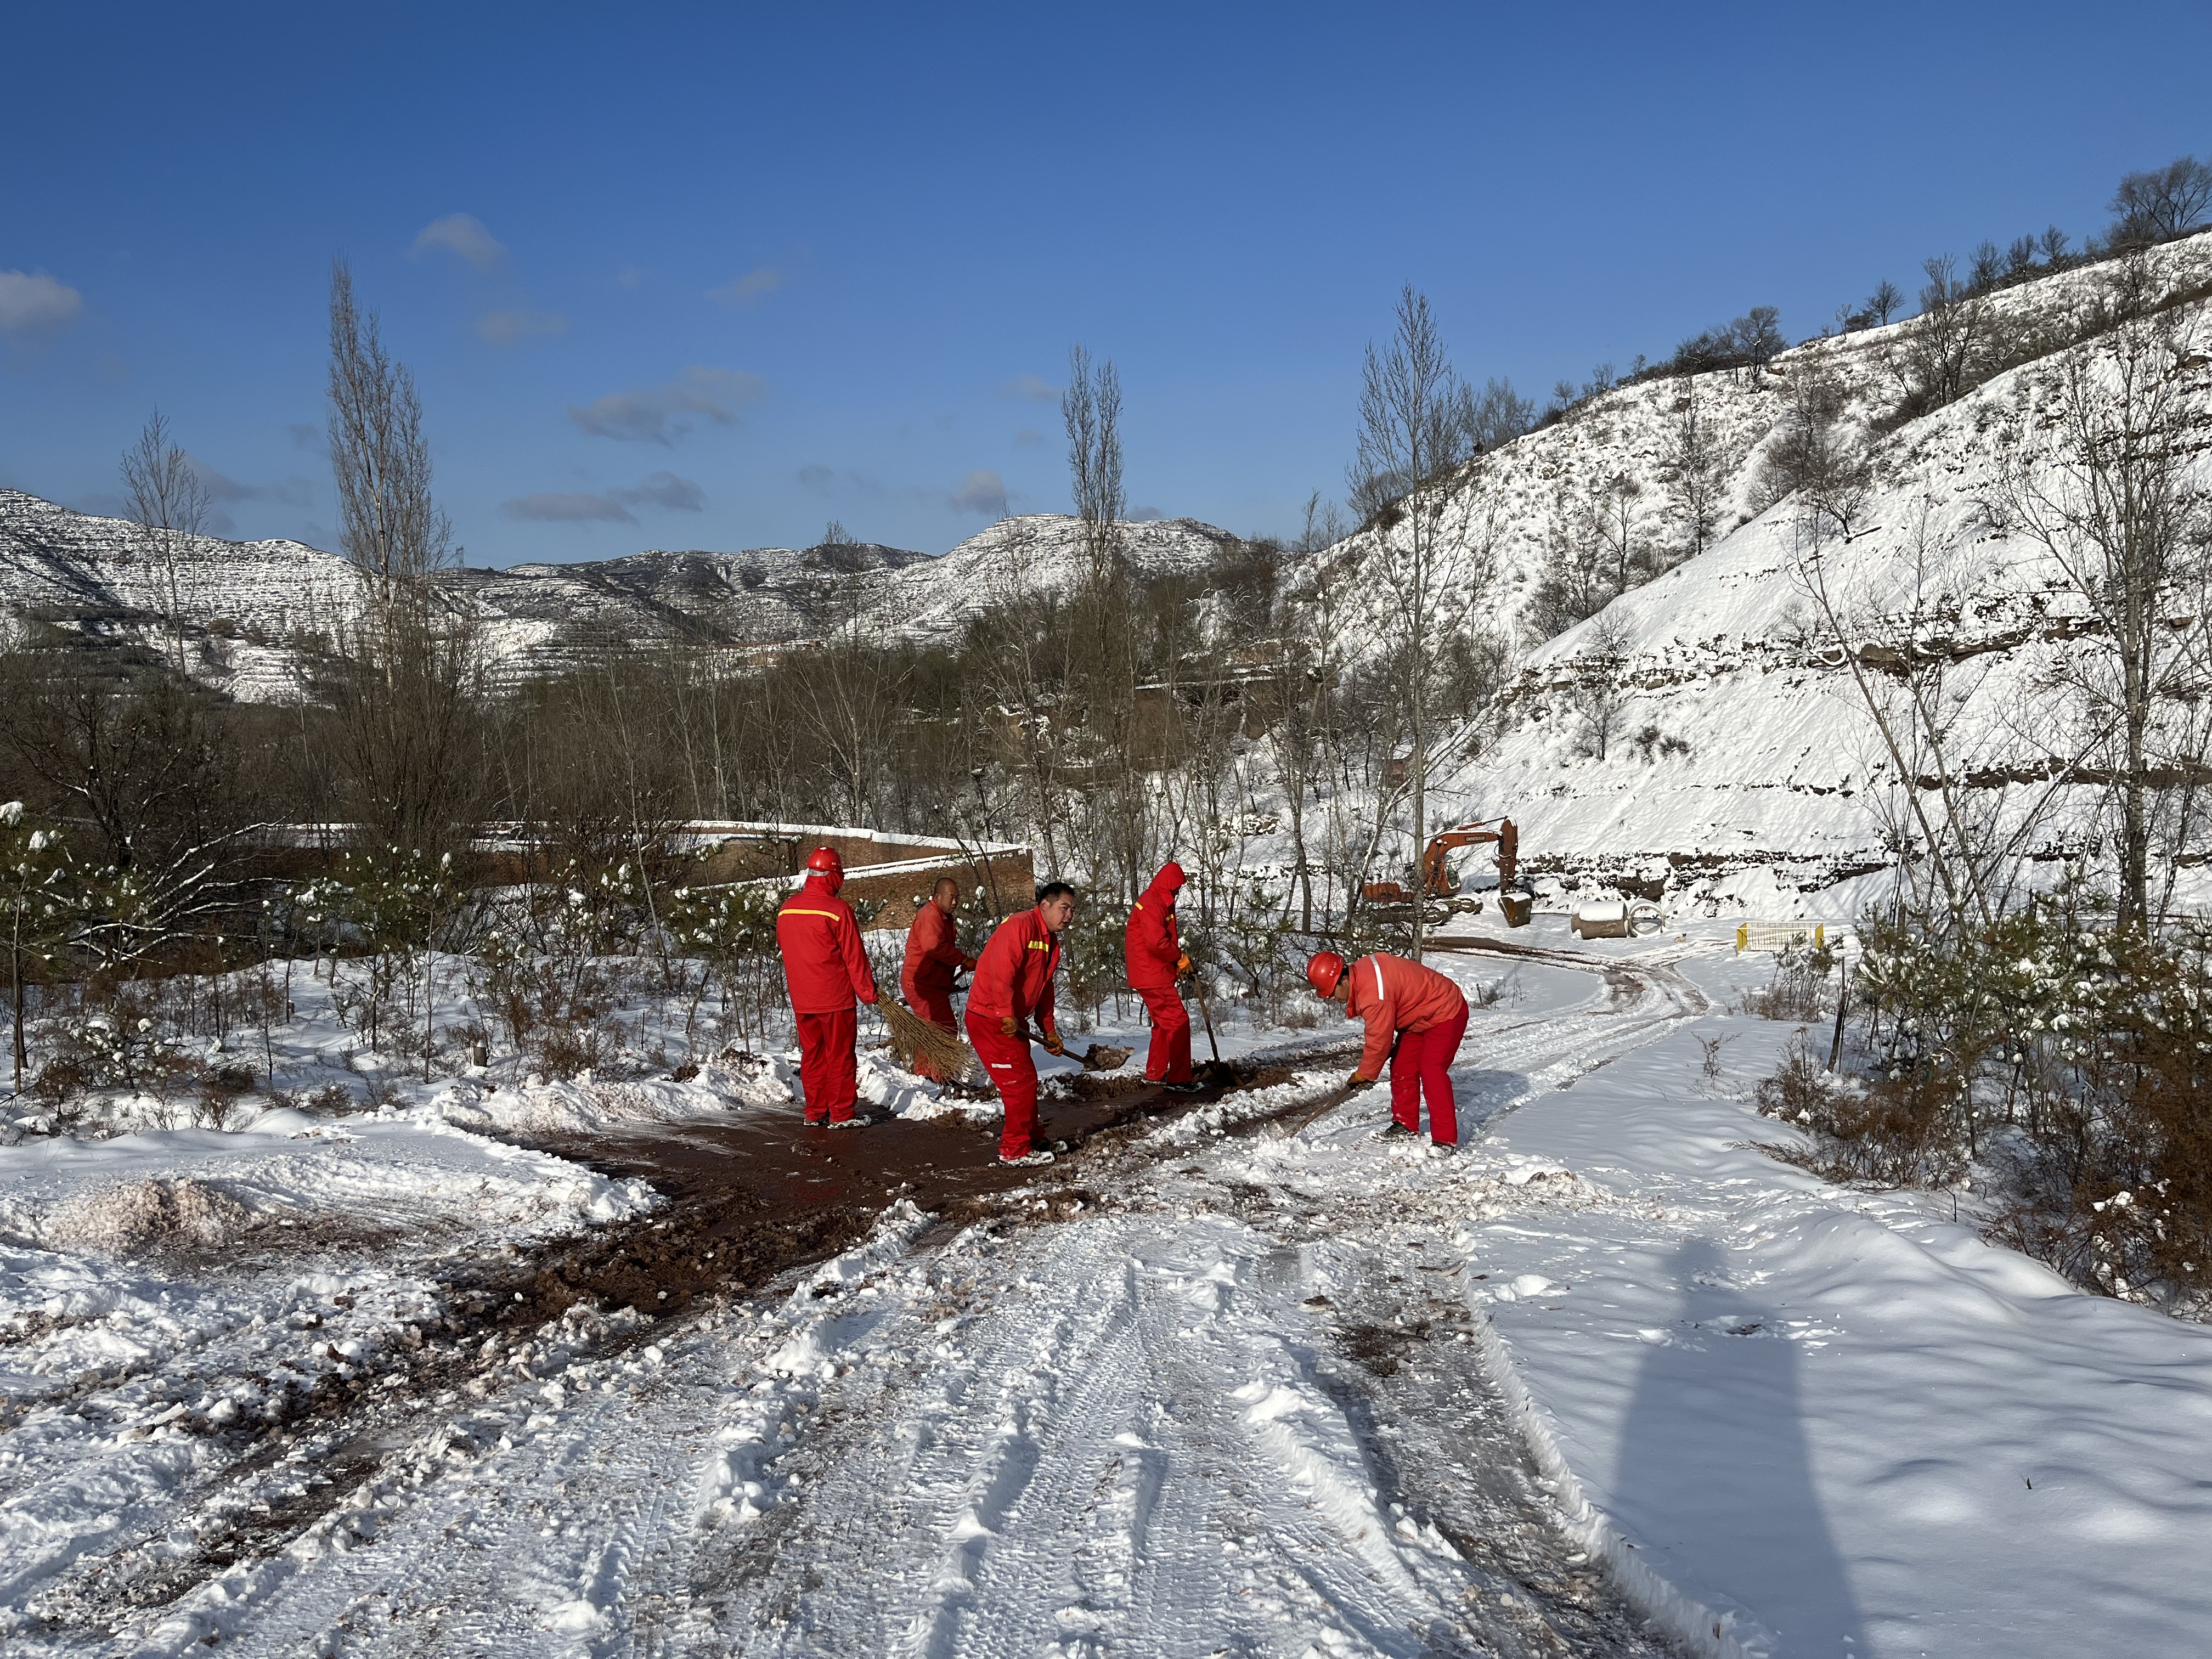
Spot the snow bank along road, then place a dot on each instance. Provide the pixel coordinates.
(1199, 1391)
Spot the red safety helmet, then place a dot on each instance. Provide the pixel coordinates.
(1325, 972)
(823, 860)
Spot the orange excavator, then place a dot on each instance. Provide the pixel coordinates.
(1438, 882)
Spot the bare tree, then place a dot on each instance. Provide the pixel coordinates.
(410, 675)
(168, 503)
(1881, 305)
(1818, 452)
(1496, 415)
(1615, 519)
(1601, 667)
(2102, 479)
(1411, 443)
(1943, 355)
(1695, 480)
(1091, 409)
(2162, 202)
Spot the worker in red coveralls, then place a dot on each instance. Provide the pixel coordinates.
(1157, 961)
(826, 968)
(933, 956)
(1414, 1016)
(1012, 989)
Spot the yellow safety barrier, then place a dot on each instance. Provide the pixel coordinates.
(1779, 936)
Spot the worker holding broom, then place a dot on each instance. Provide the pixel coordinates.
(933, 956)
(1157, 961)
(1013, 988)
(826, 967)
(1416, 1017)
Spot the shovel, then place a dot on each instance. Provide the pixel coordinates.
(1279, 1131)
(1283, 1129)
(1198, 990)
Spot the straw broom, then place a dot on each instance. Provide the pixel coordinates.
(913, 1037)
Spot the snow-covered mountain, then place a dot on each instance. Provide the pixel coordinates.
(251, 609)
(1759, 769)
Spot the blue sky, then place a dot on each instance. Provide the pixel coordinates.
(708, 276)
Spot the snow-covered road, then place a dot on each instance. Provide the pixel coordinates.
(1204, 1391)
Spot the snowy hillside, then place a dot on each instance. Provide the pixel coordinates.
(252, 608)
(1727, 653)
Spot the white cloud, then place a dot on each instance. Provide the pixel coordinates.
(665, 490)
(661, 490)
(463, 234)
(507, 328)
(1028, 434)
(1030, 388)
(981, 491)
(290, 492)
(31, 302)
(761, 279)
(557, 508)
(657, 414)
(631, 277)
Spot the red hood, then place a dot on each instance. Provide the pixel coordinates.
(1163, 890)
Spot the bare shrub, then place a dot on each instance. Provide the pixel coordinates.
(1799, 990)
(1900, 1134)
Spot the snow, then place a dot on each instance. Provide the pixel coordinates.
(1827, 1421)
(1204, 1388)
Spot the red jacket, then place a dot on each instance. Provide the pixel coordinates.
(1151, 943)
(1013, 976)
(824, 961)
(933, 955)
(1392, 995)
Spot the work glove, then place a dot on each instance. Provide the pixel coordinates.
(1008, 1025)
(1182, 966)
(1053, 1045)
(1356, 1082)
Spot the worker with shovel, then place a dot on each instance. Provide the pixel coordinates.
(1157, 962)
(1416, 1017)
(1013, 986)
(826, 967)
(933, 956)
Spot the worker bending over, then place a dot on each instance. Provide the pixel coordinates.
(826, 967)
(1014, 987)
(1157, 960)
(933, 956)
(1416, 1016)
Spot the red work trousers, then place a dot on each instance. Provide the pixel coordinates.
(1007, 1060)
(1421, 1066)
(1168, 1060)
(936, 1007)
(828, 1076)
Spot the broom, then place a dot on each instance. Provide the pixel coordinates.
(913, 1037)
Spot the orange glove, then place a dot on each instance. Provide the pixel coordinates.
(1053, 1045)
(1355, 1083)
(1182, 965)
(1008, 1025)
